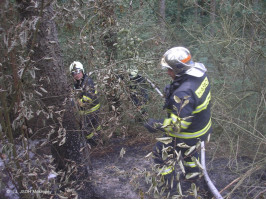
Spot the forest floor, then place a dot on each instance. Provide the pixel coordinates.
(120, 174)
(122, 177)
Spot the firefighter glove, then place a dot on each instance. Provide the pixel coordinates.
(81, 104)
(151, 125)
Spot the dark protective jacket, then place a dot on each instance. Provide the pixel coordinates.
(138, 89)
(90, 105)
(87, 95)
(190, 112)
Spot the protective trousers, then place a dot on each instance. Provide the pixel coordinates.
(189, 164)
(91, 126)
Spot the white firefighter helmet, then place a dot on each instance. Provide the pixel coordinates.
(178, 59)
(133, 73)
(76, 66)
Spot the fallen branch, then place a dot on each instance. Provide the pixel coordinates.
(230, 184)
(259, 194)
(243, 177)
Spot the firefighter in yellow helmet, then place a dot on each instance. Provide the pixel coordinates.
(87, 101)
(190, 85)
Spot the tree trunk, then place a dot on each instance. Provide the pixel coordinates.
(213, 10)
(162, 14)
(47, 58)
(179, 11)
(196, 13)
(213, 14)
(108, 22)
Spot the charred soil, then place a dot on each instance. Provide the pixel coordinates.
(119, 171)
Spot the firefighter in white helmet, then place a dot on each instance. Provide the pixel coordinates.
(87, 101)
(138, 91)
(187, 101)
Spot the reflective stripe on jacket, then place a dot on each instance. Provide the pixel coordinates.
(195, 115)
(88, 111)
(88, 96)
(90, 135)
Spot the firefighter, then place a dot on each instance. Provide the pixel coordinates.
(87, 101)
(138, 90)
(187, 102)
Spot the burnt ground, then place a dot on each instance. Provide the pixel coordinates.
(116, 177)
(123, 177)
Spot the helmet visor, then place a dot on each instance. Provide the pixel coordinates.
(76, 71)
(133, 74)
(164, 64)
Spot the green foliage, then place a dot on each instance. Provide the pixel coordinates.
(231, 47)
(109, 37)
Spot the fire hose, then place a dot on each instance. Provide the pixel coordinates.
(210, 184)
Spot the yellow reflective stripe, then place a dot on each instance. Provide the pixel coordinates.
(167, 121)
(190, 164)
(85, 112)
(201, 89)
(174, 117)
(85, 98)
(204, 105)
(168, 170)
(92, 134)
(187, 135)
(184, 124)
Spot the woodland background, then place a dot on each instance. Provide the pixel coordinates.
(40, 39)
